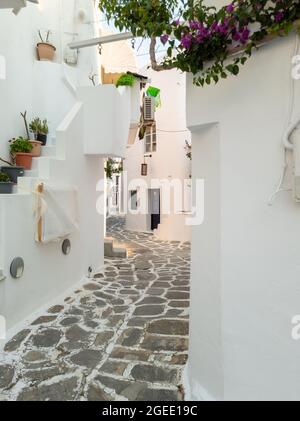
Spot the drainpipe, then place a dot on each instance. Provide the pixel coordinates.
(286, 138)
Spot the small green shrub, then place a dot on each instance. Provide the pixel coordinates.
(4, 178)
(125, 80)
(39, 126)
(20, 145)
(34, 125)
(43, 128)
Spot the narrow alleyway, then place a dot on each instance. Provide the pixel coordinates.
(123, 335)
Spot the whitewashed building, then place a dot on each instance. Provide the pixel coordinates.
(70, 171)
(163, 150)
(246, 255)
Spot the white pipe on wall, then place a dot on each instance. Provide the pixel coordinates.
(286, 138)
(100, 40)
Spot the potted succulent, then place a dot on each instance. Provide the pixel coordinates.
(36, 145)
(6, 186)
(43, 132)
(11, 170)
(20, 150)
(40, 130)
(45, 50)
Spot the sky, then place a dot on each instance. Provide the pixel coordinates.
(141, 45)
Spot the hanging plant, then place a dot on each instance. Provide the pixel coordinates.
(209, 43)
(188, 150)
(126, 79)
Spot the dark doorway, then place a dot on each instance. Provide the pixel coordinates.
(154, 207)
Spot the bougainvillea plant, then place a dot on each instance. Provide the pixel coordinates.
(209, 43)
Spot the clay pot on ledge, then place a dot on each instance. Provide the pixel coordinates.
(36, 148)
(24, 160)
(45, 51)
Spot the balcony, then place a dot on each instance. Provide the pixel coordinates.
(108, 115)
(16, 5)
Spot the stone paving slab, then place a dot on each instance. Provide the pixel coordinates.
(122, 336)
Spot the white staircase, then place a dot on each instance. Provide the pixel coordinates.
(40, 170)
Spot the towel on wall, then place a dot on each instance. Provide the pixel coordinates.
(56, 212)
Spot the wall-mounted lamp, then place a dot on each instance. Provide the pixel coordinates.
(82, 15)
(144, 167)
(144, 170)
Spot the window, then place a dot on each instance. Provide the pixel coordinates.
(150, 139)
(133, 200)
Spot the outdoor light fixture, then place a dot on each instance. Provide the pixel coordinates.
(66, 247)
(17, 267)
(144, 170)
(144, 167)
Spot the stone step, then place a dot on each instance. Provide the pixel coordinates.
(119, 252)
(49, 151)
(30, 173)
(111, 251)
(108, 248)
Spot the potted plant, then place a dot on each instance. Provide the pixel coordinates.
(45, 50)
(20, 150)
(36, 145)
(126, 79)
(40, 130)
(6, 186)
(43, 131)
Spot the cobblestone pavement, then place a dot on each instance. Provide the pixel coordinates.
(122, 336)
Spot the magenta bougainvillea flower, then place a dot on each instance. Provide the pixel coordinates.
(279, 16)
(164, 38)
(186, 41)
(230, 8)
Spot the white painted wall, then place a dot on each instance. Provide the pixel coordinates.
(26, 86)
(246, 255)
(47, 90)
(169, 161)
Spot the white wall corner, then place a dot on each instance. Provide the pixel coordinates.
(193, 390)
(2, 67)
(2, 277)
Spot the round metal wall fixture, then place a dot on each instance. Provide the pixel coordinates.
(66, 247)
(17, 267)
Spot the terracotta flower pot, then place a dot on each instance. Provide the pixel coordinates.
(37, 148)
(24, 160)
(45, 51)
